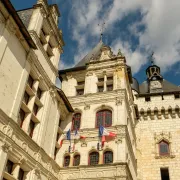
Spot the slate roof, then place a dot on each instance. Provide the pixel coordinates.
(94, 53)
(166, 87)
(25, 16)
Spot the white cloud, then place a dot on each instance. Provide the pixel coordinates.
(160, 17)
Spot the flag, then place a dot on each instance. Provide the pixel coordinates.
(61, 142)
(78, 136)
(68, 135)
(103, 133)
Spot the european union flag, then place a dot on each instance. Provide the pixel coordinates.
(68, 135)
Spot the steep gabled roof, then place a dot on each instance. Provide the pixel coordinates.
(25, 16)
(96, 51)
(17, 19)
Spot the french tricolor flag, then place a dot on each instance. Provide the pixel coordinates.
(78, 136)
(103, 132)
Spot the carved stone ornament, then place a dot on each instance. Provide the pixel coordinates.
(162, 135)
(84, 144)
(7, 130)
(24, 146)
(89, 73)
(23, 160)
(52, 92)
(118, 101)
(118, 140)
(120, 53)
(36, 172)
(6, 147)
(100, 174)
(86, 107)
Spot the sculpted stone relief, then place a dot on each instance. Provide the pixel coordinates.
(95, 173)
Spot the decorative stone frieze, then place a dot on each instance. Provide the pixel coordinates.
(118, 101)
(6, 147)
(87, 106)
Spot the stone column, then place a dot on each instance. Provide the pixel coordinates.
(71, 159)
(15, 172)
(3, 158)
(101, 157)
(105, 80)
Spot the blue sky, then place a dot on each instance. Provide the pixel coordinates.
(137, 27)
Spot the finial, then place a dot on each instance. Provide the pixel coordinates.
(119, 53)
(102, 28)
(151, 58)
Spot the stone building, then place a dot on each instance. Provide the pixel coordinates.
(145, 118)
(36, 116)
(31, 107)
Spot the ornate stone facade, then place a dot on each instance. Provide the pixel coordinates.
(35, 115)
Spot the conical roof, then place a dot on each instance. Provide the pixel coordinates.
(96, 51)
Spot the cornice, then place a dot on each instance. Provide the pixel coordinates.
(98, 97)
(114, 170)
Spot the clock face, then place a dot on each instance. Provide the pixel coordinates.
(155, 84)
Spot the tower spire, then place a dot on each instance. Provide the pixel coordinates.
(151, 58)
(102, 28)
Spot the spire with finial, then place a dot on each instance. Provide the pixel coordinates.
(153, 71)
(151, 58)
(102, 28)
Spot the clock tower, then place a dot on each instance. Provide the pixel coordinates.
(154, 78)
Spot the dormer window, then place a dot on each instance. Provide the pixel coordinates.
(80, 87)
(105, 83)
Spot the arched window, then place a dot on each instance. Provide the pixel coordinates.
(108, 157)
(76, 121)
(104, 118)
(76, 160)
(163, 148)
(66, 161)
(93, 158)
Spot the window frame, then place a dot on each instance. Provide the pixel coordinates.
(67, 156)
(107, 151)
(76, 155)
(35, 109)
(26, 98)
(73, 120)
(104, 118)
(89, 158)
(21, 111)
(168, 148)
(39, 93)
(21, 176)
(9, 169)
(30, 81)
(79, 92)
(31, 131)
